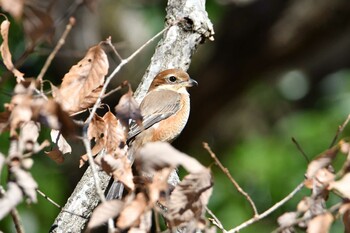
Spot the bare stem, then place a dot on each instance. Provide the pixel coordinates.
(268, 211)
(93, 167)
(48, 198)
(300, 149)
(214, 220)
(234, 182)
(339, 131)
(109, 43)
(17, 221)
(52, 55)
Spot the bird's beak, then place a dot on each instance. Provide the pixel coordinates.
(192, 82)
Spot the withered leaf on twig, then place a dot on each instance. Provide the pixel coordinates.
(14, 7)
(11, 198)
(188, 200)
(60, 141)
(5, 52)
(120, 168)
(320, 162)
(56, 155)
(107, 134)
(25, 180)
(186, 206)
(82, 85)
(320, 224)
(114, 137)
(132, 212)
(157, 155)
(128, 109)
(287, 220)
(105, 211)
(342, 186)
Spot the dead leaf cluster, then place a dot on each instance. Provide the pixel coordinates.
(183, 206)
(312, 213)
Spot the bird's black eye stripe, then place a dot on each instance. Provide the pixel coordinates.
(172, 79)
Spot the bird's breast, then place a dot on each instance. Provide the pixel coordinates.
(168, 129)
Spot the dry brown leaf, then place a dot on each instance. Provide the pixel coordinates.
(10, 199)
(128, 109)
(145, 223)
(344, 147)
(323, 177)
(113, 137)
(287, 219)
(14, 7)
(105, 211)
(5, 52)
(305, 204)
(320, 223)
(97, 128)
(186, 206)
(120, 168)
(130, 216)
(97, 132)
(25, 180)
(321, 161)
(107, 134)
(56, 155)
(28, 137)
(159, 186)
(60, 141)
(157, 155)
(21, 112)
(342, 186)
(81, 86)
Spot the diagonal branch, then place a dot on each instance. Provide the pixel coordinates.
(233, 181)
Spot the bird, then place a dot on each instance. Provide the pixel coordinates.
(165, 110)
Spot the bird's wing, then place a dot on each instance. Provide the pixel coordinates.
(156, 106)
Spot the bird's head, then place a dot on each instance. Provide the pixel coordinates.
(172, 79)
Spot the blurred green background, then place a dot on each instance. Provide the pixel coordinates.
(276, 70)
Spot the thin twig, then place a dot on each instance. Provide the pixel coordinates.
(99, 191)
(112, 91)
(300, 149)
(48, 198)
(234, 182)
(52, 55)
(268, 211)
(339, 131)
(215, 220)
(93, 166)
(109, 43)
(17, 221)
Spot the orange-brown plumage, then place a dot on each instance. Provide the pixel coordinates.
(165, 110)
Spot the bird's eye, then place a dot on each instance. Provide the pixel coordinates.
(172, 79)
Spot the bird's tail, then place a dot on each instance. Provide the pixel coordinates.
(114, 190)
